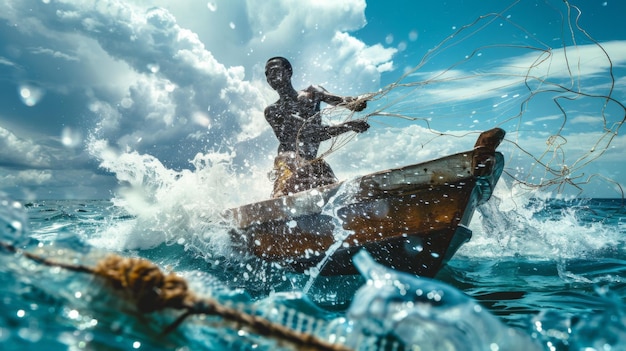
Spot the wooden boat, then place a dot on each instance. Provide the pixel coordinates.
(412, 218)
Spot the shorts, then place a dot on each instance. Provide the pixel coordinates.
(292, 174)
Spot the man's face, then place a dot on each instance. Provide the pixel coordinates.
(277, 74)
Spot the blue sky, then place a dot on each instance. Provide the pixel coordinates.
(86, 83)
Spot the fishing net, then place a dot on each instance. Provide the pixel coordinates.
(556, 94)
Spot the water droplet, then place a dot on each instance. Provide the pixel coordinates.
(73, 314)
(30, 95)
(70, 137)
(153, 67)
(389, 39)
(212, 6)
(17, 226)
(126, 102)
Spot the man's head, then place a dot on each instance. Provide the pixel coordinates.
(278, 72)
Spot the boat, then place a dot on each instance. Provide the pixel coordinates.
(411, 219)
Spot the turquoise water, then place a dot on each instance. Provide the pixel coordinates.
(545, 274)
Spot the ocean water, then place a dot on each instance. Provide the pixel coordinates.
(538, 274)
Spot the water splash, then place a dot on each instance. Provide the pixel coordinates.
(13, 221)
(173, 207)
(517, 223)
(30, 94)
(344, 195)
(71, 137)
(426, 313)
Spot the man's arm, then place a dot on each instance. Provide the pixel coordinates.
(327, 132)
(348, 102)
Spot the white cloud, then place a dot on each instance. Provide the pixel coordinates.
(535, 121)
(53, 53)
(561, 68)
(15, 151)
(6, 62)
(584, 119)
(573, 61)
(26, 178)
(310, 33)
(202, 84)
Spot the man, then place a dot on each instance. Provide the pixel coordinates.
(297, 123)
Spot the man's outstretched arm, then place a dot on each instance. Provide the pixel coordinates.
(326, 132)
(349, 102)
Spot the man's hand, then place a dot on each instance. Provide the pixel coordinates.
(355, 104)
(358, 126)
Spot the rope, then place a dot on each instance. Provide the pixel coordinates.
(142, 283)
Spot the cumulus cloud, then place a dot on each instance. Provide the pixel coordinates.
(314, 35)
(21, 178)
(181, 79)
(17, 152)
(322, 50)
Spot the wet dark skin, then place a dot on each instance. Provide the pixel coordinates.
(295, 116)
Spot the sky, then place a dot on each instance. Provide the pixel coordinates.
(86, 82)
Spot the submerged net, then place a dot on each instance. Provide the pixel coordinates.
(556, 94)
